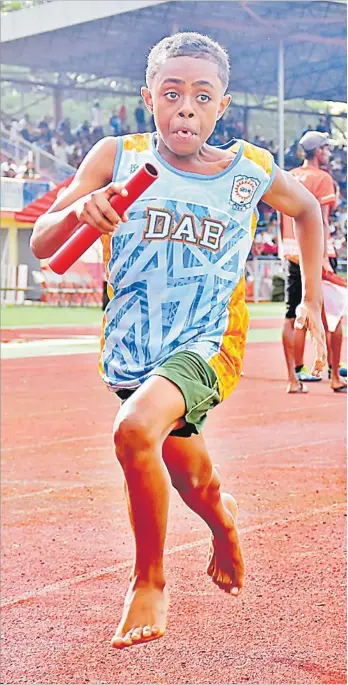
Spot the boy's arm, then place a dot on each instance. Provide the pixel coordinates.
(325, 212)
(79, 204)
(290, 197)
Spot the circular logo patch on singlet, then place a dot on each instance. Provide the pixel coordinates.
(243, 191)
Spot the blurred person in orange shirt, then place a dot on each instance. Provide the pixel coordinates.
(316, 148)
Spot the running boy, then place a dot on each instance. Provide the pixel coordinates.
(174, 330)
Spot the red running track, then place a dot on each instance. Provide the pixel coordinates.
(67, 547)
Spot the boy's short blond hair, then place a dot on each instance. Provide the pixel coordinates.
(188, 44)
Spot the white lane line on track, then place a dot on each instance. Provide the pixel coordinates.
(40, 413)
(43, 342)
(260, 414)
(47, 491)
(279, 448)
(62, 441)
(85, 577)
(102, 435)
(44, 326)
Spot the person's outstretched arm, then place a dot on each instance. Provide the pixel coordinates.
(86, 200)
(290, 197)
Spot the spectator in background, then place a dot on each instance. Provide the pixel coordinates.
(270, 246)
(83, 130)
(239, 129)
(76, 157)
(14, 131)
(45, 135)
(114, 123)
(28, 172)
(140, 117)
(322, 125)
(257, 246)
(9, 168)
(271, 147)
(308, 128)
(311, 174)
(85, 145)
(97, 122)
(60, 149)
(96, 115)
(122, 115)
(64, 131)
(229, 124)
(26, 128)
(273, 226)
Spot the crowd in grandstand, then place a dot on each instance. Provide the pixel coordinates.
(70, 146)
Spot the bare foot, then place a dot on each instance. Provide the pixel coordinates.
(338, 384)
(225, 563)
(144, 615)
(296, 387)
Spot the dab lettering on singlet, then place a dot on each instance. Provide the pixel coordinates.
(175, 268)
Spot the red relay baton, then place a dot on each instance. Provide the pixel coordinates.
(86, 235)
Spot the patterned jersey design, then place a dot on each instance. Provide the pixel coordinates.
(174, 267)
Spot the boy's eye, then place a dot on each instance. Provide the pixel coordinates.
(203, 97)
(171, 95)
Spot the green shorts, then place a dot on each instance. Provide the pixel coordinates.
(198, 384)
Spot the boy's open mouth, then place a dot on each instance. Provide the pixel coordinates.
(184, 134)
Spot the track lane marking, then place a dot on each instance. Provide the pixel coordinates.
(25, 495)
(102, 435)
(85, 577)
(62, 441)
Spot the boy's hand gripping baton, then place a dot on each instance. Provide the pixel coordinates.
(86, 235)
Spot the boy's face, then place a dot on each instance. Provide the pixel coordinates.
(186, 98)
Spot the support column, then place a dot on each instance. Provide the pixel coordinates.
(58, 104)
(245, 122)
(281, 103)
(13, 245)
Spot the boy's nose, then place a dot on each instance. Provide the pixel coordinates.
(186, 109)
(183, 113)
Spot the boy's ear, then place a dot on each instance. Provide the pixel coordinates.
(225, 102)
(147, 97)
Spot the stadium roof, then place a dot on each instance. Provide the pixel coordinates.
(111, 38)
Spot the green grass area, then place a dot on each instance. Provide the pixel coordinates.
(39, 315)
(266, 309)
(36, 315)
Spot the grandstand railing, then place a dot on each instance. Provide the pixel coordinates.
(260, 272)
(46, 165)
(15, 193)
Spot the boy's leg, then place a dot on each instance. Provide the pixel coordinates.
(288, 339)
(141, 426)
(300, 342)
(198, 484)
(293, 296)
(334, 342)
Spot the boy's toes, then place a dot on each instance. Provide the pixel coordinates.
(127, 639)
(118, 642)
(147, 631)
(136, 634)
(234, 591)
